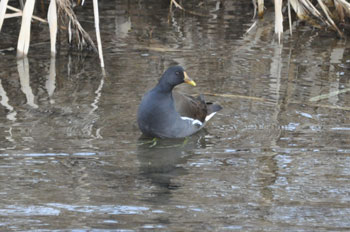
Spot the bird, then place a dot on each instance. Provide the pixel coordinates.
(164, 113)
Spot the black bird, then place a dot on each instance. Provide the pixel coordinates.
(167, 114)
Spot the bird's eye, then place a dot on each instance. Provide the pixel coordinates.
(177, 73)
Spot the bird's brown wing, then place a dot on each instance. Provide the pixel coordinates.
(188, 106)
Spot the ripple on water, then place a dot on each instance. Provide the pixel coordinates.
(276, 158)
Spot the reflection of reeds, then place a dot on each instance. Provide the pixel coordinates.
(58, 10)
(320, 13)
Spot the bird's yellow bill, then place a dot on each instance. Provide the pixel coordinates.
(188, 80)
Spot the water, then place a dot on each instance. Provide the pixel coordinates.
(276, 158)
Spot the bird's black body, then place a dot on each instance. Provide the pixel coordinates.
(167, 114)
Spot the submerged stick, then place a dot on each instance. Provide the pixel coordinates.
(251, 27)
(293, 102)
(328, 95)
(159, 49)
(334, 107)
(236, 96)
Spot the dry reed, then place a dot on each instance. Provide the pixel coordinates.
(320, 13)
(59, 12)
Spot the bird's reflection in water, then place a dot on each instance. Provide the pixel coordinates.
(162, 161)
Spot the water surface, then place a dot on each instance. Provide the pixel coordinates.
(276, 158)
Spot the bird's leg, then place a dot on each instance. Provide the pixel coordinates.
(154, 142)
(185, 142)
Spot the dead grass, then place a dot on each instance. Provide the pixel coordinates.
(321, 14)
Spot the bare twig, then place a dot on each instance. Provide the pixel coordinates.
(176, 4)
(12, 15)
(251, 27)
(33, 16)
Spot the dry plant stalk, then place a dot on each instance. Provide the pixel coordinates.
(342, 7)
(278, 19)
(175, 4)
(98, 36)
(20, 13)
(66, 12)
(52, 19)
(24, 34)
(3, 5)
(260, 8)
(319, 15)
(290, 19)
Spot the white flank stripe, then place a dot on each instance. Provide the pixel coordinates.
(194, 121)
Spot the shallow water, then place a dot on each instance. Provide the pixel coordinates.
(276, 158)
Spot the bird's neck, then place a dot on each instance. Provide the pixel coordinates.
(164, 87)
